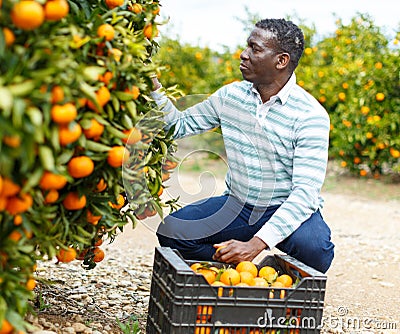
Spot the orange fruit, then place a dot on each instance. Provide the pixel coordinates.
(30, 284)
(278, 284)
(79, 167)
(51, 197)
(18, 220)
(93, 219)
(74, 202)
(9, 36)
(168, 165)
(156, 11)
(94, 131)
(246, 277)
(149, 211)
(106, 78)
(101, 186)
(98, 242)
(66, 255)
(117, 156)
(150, 31)
(195, 266)
(63, 113)
(55, 10)
(9, 188)
(15, 236)
(133, 136)
(208, 274)
(260, 282)
(204, 313)
(380, 97)
(107, 31)
(120, 202)
(165, 176)
(247, 266)
(3, 203)
(134, 91)
(57, 94)
(230, 277)
(19, 204)
(268, 273)
(136, 8)
(12, 141)
(114, 3)
(116, 53)
(52, 181)
(6, 327)
(286, 280)
(69, 133)
(98, 254)
(102, 97)
(27, 14)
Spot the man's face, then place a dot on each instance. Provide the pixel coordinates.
(259, 59)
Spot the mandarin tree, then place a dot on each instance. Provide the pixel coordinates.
(75, 79)
(354, 75)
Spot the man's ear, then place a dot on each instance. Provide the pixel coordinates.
(283, 61)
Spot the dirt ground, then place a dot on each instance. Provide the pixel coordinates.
(363, 282)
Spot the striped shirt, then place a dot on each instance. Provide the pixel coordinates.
(277, 151)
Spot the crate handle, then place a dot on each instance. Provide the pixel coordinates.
(175, 260)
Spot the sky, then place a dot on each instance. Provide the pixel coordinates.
(212, 23)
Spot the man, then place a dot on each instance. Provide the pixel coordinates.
(276, 140)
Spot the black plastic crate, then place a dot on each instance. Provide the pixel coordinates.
(182, 301)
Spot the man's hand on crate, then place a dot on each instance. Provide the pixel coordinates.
(235, 251)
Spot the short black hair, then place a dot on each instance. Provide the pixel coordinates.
(288, 37)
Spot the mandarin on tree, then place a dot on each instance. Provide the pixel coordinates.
(134, 91)
(133, 136)
(95, 130)
(81, 166)
(92, 219)
(120, 202)
(136, 8)
(9, 36)
(57, 94)
(114, 3)
(98, 254)
(31, 284)
(9, 188)
(27, 14)
(51, 197)
(115, 53)
(69, 133)
(6, 327)
(19, 204)
(66, 255)
(107, 31)
(117, 156)
(52, 181)
(102, 97)
(73, 201)
(12, 141)
(55, 10)
(63, 113)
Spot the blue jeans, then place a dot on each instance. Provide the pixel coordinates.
(196, 227)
